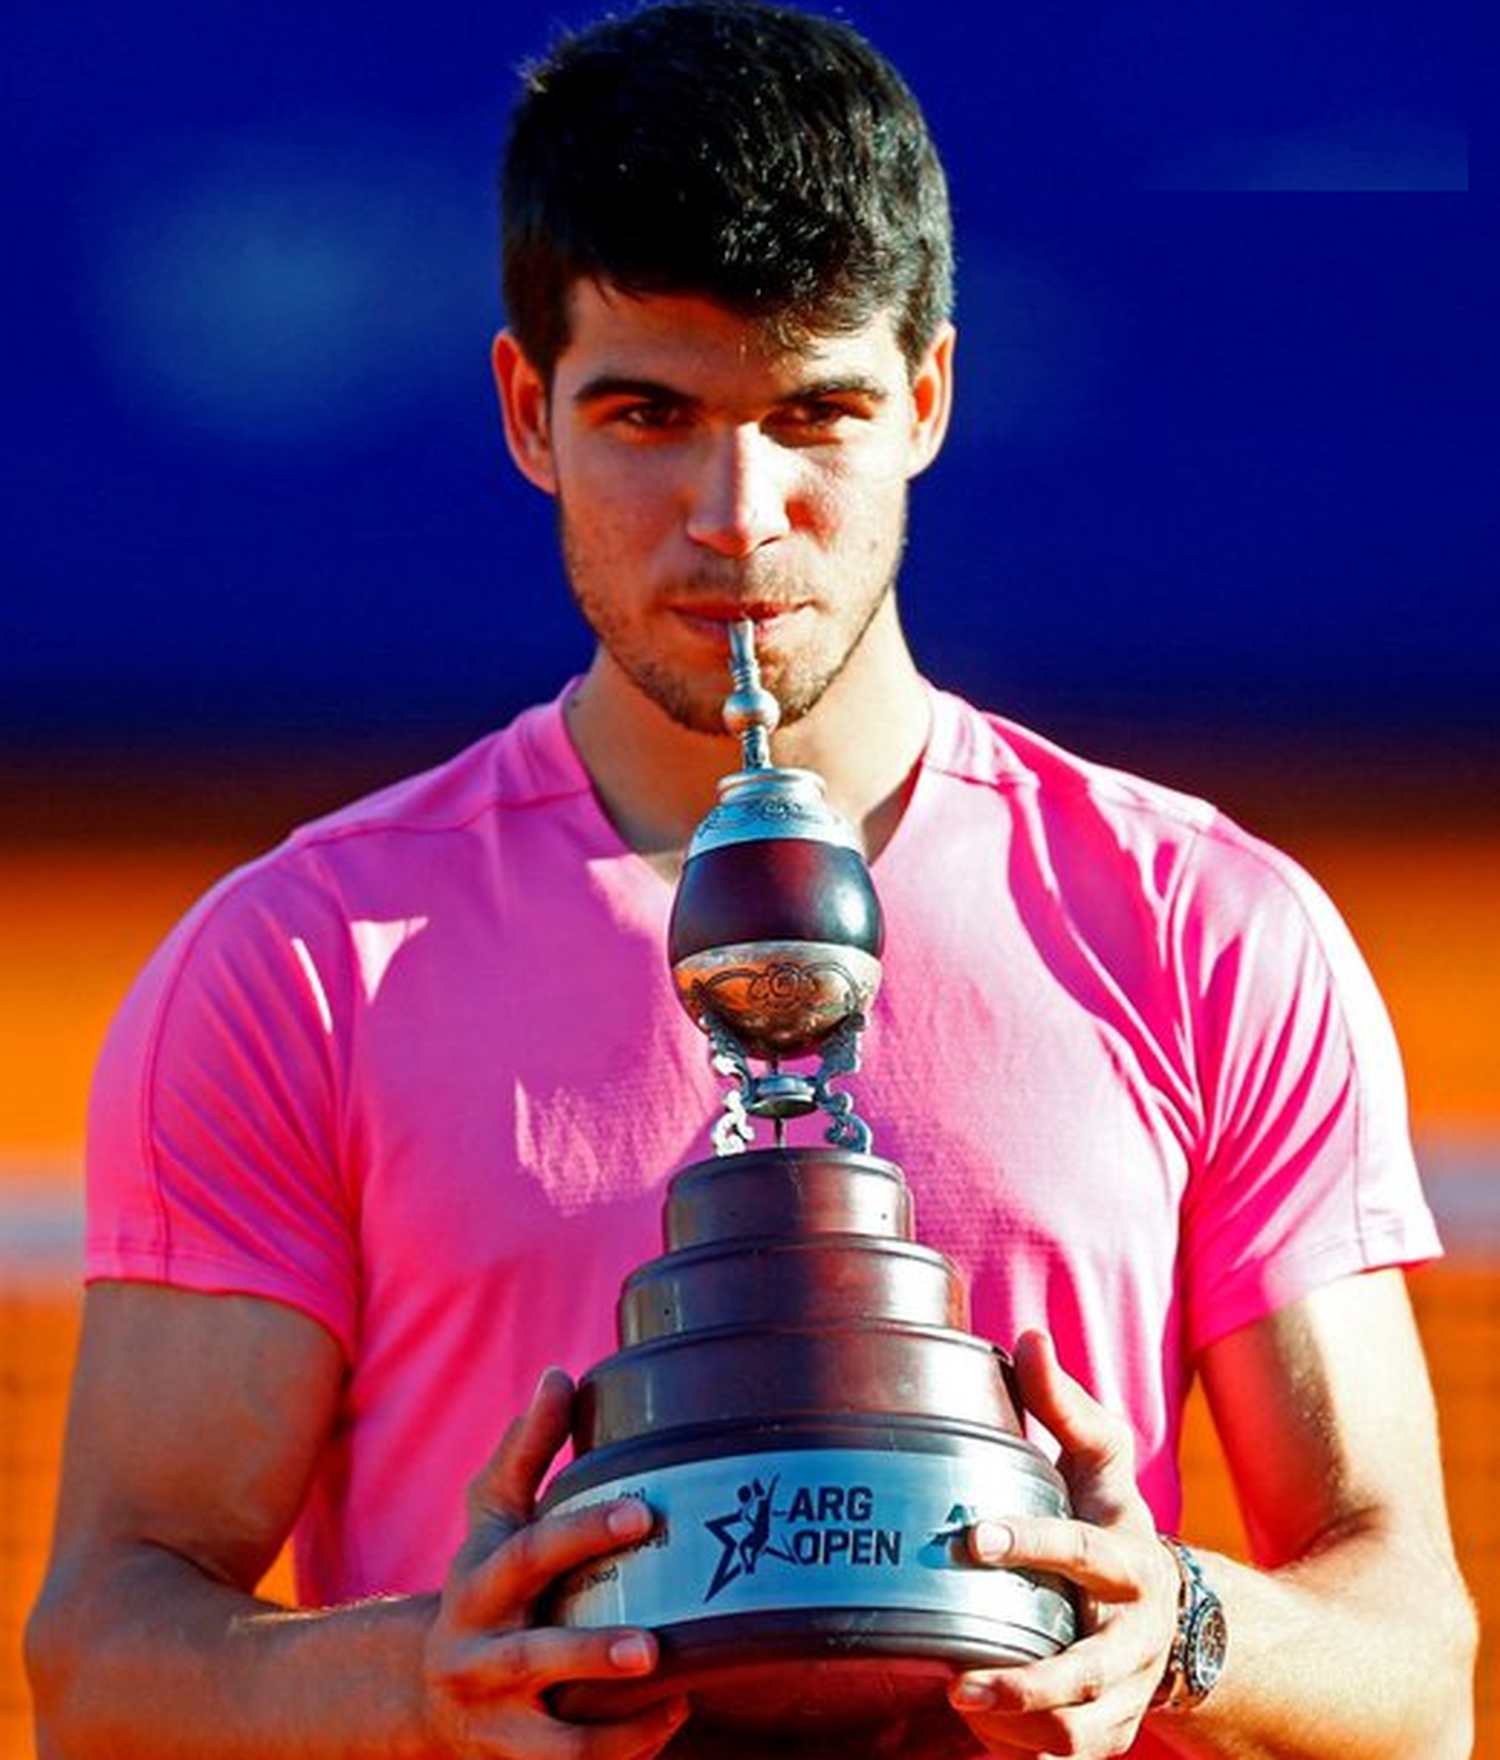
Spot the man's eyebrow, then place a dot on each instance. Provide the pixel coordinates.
(839, 385)
(604, 386)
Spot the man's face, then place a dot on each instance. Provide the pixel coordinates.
(704, 475)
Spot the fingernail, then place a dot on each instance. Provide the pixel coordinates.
(993, 1540)
(544, 1381)
(629, 1519)
(631, 1654)
(969, 1695)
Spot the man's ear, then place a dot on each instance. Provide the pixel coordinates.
(932, 399)
(523, 409)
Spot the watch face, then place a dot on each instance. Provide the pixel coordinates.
(1207, 1642)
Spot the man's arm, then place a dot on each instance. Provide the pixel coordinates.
(1357, 1637)
(195, 1426)
(1351, 1639)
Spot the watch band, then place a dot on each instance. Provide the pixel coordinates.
(1199, 1645)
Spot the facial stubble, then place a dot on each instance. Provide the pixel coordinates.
(681, 696)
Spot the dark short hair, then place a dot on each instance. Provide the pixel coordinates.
(768, 159)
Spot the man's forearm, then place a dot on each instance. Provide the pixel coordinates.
(1364, 1650)
(155, 1647)
(154, 1657)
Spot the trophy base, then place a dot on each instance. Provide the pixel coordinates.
(815, 1591)
(832, 1680)
(798, 1401)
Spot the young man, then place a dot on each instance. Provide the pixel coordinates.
(387, 1120)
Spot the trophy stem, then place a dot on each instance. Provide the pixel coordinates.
(782, 1094)
(750, 710)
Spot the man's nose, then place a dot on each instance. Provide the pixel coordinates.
(739, 497)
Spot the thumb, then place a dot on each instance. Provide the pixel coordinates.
(504, 1490)
(1098, 1447)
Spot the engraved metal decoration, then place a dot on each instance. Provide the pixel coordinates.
(796, 1394)
(840, 1058)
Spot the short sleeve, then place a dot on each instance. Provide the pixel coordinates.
(214, 1156)
(1304, 1171)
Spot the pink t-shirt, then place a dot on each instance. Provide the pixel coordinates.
(420, 1073)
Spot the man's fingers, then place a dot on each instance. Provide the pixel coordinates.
(1098, 1446)
(505, 1487)
(499, 1697)
(531, 1660)
(1065, 1406)
(500, 1587)
(1087, 1556)
(1021, 1711)
(496, 1688)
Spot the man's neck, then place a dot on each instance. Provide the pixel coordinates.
(656, 779)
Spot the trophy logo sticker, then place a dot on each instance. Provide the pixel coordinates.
(946, 1544)
(745, 1535)
(828, 1526)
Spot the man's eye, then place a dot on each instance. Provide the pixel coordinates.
(649, 418)
(814, 419)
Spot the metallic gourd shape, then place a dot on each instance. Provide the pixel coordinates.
(776, 933)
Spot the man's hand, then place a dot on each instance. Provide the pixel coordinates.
(1090, 1698)
(488, 1667)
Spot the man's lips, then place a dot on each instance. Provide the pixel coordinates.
(713, 616)
(708, 626)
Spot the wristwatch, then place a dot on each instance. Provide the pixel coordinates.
(1196, 1659)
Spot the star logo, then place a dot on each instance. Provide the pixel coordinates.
(745, 1535)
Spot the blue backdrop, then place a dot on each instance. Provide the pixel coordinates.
(1226, 451)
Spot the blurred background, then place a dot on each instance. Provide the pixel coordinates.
(1222, 503)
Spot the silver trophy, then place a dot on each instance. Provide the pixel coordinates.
(796, 1394)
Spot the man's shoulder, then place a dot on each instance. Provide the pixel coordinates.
(1095, 817)
(990, 750)
(434, 826)
(526, 763)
